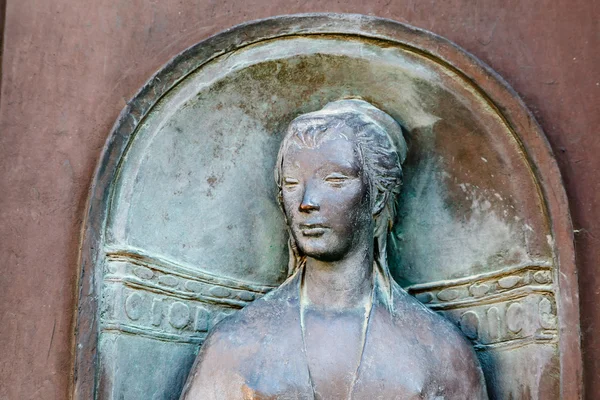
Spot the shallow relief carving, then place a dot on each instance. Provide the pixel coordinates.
(158, 299)
(177, 252)
(337, 327)
(507, 308)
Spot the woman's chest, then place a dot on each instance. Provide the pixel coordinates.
(331, 371)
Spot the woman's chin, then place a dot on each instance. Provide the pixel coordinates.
(320, 250)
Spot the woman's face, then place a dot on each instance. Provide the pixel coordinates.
(326, 199)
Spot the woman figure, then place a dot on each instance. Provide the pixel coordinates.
(339, 327)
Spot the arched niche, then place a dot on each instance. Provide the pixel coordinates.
(183, 228)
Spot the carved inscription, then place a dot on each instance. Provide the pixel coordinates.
(156, 298)
(503, 309)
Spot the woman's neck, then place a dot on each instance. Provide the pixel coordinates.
(341, 284)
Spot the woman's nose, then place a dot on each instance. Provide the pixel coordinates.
(309, 202)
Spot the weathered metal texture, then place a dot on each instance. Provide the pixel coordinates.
(69, 67)
(339, 327)
(471, 135)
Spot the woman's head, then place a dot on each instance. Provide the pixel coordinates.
(338, 175)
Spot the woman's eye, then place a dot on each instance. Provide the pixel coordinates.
(336, 178)
(290, 182)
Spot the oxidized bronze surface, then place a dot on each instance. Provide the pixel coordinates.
(340, 327)
(184, 229)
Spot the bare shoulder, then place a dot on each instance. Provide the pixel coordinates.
(462, 369)
(220, 369)
(252, 322)
(457, 367)
(215, 371)
(244, 329)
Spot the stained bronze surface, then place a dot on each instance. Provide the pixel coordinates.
(340, 327)
(479, 220)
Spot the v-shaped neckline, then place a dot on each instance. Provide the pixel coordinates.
(364, 332)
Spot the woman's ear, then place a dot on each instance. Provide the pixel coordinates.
(379, 203)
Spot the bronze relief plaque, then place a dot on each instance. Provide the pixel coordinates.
(184, 227)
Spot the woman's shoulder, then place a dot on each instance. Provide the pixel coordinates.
(255, 320)
(455, 358)
(408, 310)
(241, 344)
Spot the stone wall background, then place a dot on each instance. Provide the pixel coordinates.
(69, 66)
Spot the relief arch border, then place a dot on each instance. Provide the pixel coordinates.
(500, 96)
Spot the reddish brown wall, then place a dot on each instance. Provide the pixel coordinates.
(69, 66)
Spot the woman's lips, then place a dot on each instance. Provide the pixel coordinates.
(312, 229)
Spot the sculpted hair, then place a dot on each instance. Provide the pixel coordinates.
(381, 147)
